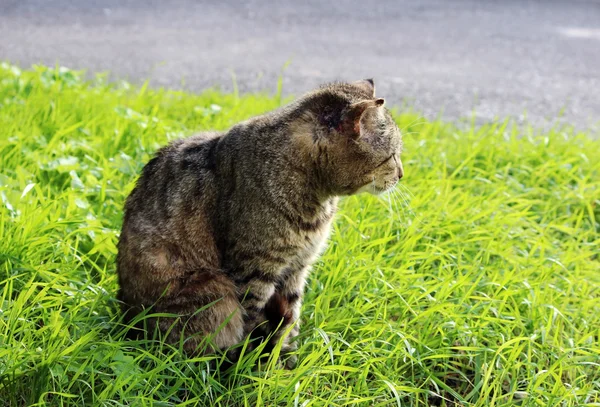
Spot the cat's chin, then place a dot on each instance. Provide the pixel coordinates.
(374, 189)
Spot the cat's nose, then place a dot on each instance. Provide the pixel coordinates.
(400, 170)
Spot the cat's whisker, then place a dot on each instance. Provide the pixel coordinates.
(398, 194)
(402, 201)
(405, 198)
(388, 196)
(407, 190)
(410, 133)
(393, 205)
(415, 216)
(397, 210)
(399, 207)
(405, 202)
(415, 123)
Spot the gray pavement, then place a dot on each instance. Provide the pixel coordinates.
(492, 57)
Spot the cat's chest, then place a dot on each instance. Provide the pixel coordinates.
(310, 245)
(311, 241)
(279, 245)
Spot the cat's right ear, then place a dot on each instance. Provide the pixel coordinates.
(350, 122)
(368, 85)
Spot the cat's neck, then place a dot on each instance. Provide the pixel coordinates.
(273, 154)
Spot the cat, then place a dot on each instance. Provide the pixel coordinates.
(221, 229)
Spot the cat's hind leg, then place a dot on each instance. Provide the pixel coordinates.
(207, 309)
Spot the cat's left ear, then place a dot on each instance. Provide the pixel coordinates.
(350, 123)
(368, 85)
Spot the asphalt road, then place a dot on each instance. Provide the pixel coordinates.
(494, 58)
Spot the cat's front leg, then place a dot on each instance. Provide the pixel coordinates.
(272, 308)
(283, 312)
(254, 296)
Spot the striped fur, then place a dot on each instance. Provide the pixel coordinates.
(222, 228)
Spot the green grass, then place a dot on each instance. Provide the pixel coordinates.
(477, 283)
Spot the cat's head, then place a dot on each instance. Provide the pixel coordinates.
(356, 143)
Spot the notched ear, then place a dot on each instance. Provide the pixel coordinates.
(368, 85)
(350, 123)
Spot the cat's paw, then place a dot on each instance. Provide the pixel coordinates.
(290, 362)
(289, 359)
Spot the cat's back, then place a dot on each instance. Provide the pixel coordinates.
(182, 169)
(173, 202)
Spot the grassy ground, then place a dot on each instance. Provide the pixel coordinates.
(476, 283)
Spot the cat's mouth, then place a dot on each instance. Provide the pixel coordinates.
(374, 189)
(378, 190)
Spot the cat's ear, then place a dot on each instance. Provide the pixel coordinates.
(350, 123)
(368, 85)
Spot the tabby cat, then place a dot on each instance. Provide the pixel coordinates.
(222, 228)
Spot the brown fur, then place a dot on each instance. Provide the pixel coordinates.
(222, 228)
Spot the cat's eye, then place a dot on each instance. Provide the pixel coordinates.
(384, 161)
